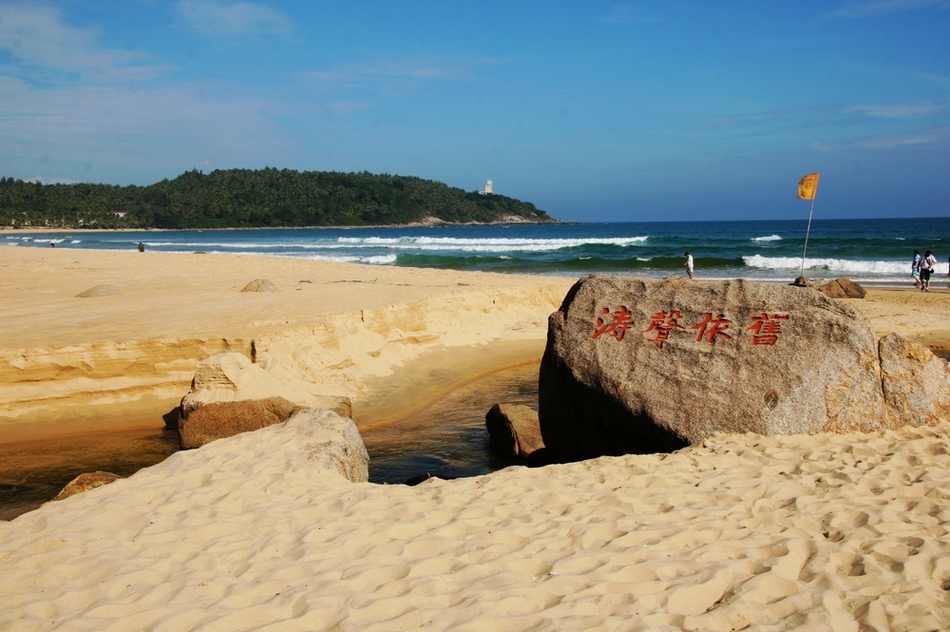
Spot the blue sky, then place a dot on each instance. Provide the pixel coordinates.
(594, 111)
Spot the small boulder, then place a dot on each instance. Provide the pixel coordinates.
(260, 285)
(802, 281)
(85, 482)
(333, 443)
(99, 290)
(514, 430)
(842, 288)
(226, 419)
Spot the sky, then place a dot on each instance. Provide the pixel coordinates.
(593, 111)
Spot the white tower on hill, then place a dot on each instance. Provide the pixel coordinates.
(487, 190)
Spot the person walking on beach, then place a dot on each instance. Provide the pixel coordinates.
(915, 268)
(689, 265)
(926, 269)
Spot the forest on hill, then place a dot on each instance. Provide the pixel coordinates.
(245, 198)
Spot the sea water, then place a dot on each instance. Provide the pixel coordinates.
(874, 252)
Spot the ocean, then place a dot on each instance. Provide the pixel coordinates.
(873, 252)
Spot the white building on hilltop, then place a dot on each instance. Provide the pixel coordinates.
(487, 190)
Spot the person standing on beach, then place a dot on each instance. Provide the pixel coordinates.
(926, 269)
(689, 265)
(915, 268)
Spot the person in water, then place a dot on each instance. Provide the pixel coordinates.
(915, 268)
(689, 265)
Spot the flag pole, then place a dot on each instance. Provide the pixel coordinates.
(807, 188)
(807, 231)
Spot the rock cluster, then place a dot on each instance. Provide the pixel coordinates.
(231, 395)
(644, 365)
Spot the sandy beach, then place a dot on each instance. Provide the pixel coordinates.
(829, 532)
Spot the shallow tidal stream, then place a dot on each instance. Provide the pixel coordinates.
(446, 439)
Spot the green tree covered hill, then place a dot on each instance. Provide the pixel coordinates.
(244, 198)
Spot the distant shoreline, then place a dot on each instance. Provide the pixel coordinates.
(422, 224)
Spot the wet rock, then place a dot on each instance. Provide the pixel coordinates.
(217, 420)
(514, 431)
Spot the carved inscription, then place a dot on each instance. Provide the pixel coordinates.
(766, 329)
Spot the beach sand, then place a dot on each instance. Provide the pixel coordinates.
(836, 532)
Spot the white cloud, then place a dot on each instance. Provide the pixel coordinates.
(111, 127)
(887, 7)
(221, 20)
(629, 14)
(899, 110)
(38, 38)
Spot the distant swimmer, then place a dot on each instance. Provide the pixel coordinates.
(689, 265)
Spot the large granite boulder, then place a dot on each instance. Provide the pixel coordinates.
(232, 377)
(514, 430)
(218, 420)
(645, 365)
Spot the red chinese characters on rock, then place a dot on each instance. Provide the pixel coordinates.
(766, 329)
(616, 327)
(711, 327)
(663, 323)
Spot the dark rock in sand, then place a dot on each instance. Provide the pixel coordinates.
(225, 419)
(85, 482)
(842, 288)
(802, 281)
(645, 365)
(260, 285)
(99, 290)
(514, 430)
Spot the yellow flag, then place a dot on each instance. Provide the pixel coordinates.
(808, 186)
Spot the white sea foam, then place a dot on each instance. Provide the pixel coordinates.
(768, 238)
(843, 267)
(375, 260)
